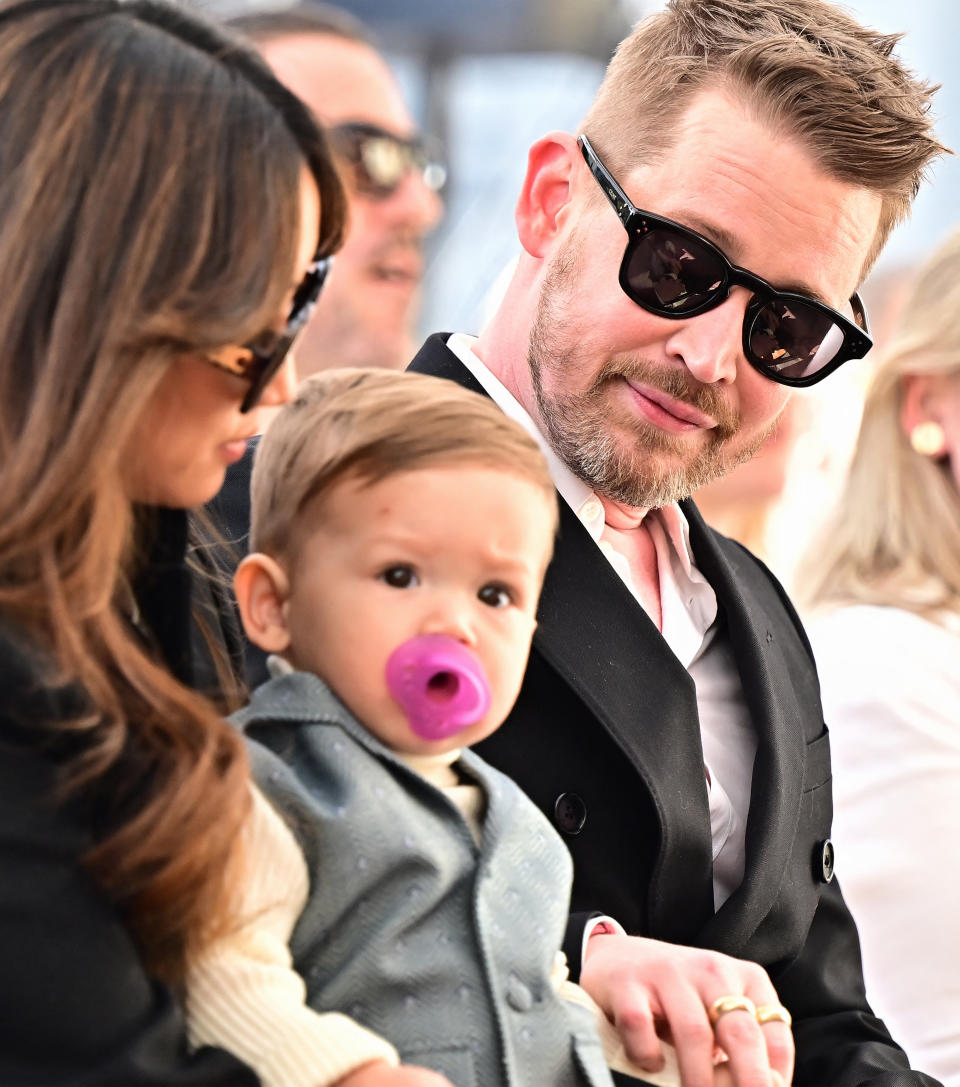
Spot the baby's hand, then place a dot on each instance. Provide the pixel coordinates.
(381, 1074)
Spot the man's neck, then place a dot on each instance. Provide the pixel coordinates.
(620, 517)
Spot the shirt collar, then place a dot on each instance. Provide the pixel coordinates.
(572, 489)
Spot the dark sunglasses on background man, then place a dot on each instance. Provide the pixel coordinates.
(672, 271)
(259, 361)
(380, 160)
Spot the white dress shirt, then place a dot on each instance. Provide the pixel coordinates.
(688, 613)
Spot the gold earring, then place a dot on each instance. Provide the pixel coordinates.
(928, 439)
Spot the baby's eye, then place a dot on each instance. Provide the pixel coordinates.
(496, 596)
(400, 576)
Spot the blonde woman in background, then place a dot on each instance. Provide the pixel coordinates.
(883, 588)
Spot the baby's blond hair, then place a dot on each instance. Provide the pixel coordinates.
(371, 424)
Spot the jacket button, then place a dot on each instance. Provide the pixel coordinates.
(519, 996)
(570, 813)
(823, 861)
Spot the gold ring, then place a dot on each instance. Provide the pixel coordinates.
(773, 1013)
(727, 1004)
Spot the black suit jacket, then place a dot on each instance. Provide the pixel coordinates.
(605, 738)
(77, 1006)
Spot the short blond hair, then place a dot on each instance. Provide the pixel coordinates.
(369, 425)
(806, 67)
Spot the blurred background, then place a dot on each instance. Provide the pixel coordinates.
(488, 78)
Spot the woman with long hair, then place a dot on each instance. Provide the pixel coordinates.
(165, 208)
(883, 588)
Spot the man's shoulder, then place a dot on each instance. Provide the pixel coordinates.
(436, 359)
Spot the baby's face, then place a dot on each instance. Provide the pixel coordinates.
(458, 551)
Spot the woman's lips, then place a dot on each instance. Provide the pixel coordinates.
(233, 451)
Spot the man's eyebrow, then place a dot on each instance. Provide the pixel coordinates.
(726, 241)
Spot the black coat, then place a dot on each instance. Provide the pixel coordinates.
(605, 738)
(76, 1005)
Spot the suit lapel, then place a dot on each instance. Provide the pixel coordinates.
(646, 702)
(758, 629)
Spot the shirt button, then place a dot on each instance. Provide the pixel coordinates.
(590, 510)
(570, 813)
(823, 861)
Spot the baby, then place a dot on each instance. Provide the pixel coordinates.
(401, 529)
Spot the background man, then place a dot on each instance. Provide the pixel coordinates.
(671, 697)
(367, 313)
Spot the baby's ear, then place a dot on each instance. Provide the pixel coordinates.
(261, 588)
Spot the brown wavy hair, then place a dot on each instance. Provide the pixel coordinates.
(149, 203)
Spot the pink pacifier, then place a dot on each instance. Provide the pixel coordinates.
(440, 685)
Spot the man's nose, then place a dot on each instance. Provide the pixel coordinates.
(415, 203)
(710, 345)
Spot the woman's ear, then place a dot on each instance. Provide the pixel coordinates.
(262, 589)
(920, 415)
(546, 191)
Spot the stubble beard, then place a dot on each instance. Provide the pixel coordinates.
(619, 455)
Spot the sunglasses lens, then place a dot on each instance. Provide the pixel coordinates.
(791, 341)
(272, 352)
(670, 274)
(382, 163)
(379, 160)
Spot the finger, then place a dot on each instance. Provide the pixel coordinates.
(778, 1039)
(683, 1010)
(777, 1035)
(636, 1029)
(741, 1038)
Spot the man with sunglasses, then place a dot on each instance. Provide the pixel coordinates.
(689, 259)
(368, 311)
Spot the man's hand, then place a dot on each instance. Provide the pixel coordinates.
(381, 1074)
(649, 989)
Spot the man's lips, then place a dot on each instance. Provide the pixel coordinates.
(667, 411)
(400, 265)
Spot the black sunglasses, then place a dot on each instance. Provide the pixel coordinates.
(672, 271)
(259, 360)
(379, 160)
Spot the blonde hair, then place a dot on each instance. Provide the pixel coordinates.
(806, 67)
(894, 538)
(371, 424)
(122, 247)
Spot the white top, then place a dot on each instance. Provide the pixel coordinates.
(891, 697)
(688, 608)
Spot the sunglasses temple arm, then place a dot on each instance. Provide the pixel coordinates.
(860, 313)
(622, 203)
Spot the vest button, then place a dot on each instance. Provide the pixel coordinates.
(570, 813)
(823, 861)
(519, 996)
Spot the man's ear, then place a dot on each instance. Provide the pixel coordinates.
(546, 191)
(262, 588)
